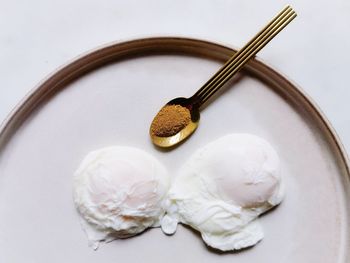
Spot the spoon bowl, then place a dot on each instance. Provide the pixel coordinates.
(169, 141)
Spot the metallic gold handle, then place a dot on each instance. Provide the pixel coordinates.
(242, 56)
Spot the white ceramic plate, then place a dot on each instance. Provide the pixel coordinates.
(109, 96)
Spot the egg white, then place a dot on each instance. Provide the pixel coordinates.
(119, 192)
(222, 190)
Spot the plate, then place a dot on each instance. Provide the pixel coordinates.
(109, 96)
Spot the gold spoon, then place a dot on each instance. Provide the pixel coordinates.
(186, 110)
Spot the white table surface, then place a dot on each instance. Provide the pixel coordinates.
(38, 36)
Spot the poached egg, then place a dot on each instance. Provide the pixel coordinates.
(223, 188)
(119, 192)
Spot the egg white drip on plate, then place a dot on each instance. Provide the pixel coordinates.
(222, 190)
(119, 192)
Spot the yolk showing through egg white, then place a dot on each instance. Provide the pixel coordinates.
(222, 190)
(119, 192)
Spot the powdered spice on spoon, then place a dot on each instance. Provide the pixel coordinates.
(170, 120)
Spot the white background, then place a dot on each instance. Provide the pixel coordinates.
(38, 36)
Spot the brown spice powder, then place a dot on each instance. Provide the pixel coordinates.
(170, 120)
